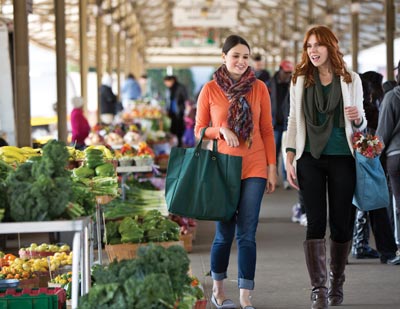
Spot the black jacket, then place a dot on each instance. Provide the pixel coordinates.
(108, 100)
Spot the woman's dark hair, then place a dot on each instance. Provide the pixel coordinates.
(170, 77)
(373, 89)
(232, 41)
(3, 142)
(373, 95)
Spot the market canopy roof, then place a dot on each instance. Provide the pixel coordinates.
(190, 32)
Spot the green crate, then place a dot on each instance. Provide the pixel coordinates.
(26, 301)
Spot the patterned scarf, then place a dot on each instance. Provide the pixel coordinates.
(240, 117)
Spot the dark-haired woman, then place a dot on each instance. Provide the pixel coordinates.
(235, 108)
(326, 105)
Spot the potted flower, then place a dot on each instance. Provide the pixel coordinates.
(197, 288)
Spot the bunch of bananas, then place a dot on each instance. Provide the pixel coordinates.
(13, 154)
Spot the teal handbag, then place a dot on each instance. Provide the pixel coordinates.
(371, 190)
(203, 184)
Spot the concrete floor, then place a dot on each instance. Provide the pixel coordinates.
(281, 277)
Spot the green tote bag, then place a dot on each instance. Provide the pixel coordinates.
(203, 184)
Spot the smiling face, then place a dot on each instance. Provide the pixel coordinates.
(317, 53)
(237, 60)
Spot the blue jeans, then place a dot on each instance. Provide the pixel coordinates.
(245, 223)
(278, 131)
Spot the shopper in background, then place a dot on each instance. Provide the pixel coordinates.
(145, 86)
(372, 98)
(379, 218)
(389, 85)
(3, 142)
(279, 91)
(236, 110)
(259, 69)
(188, 138)
(108, 100)
(79, 124)
(130, 90)
(325, 108)
(389, 130)
(176, 98)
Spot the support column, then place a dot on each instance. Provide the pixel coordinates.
(22, 83)
(109, 49)
(99, 60)
(83, 52)
(355, 10)
(390, 25)
(296, 34)
(118, 56)
(61, 64)
(284, 39)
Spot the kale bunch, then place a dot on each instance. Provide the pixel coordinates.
(40, 190)
(156, 279)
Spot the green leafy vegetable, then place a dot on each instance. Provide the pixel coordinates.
(40, 190)
(157, 278)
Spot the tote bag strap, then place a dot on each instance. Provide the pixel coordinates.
(198, 146)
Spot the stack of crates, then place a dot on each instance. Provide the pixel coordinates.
(36, 298)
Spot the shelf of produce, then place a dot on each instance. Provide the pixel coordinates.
(126, 170)
(100, 200)
(134, 169)
(80, 247)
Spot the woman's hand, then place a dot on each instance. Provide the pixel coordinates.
(229, 137)
(271, 181)
(291, 171)
(352, 114)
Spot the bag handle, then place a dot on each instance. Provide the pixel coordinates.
(215, 143)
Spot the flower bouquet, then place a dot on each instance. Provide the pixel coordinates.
(368, 145)
(371, 190)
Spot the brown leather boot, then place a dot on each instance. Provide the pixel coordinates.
(339, 253)
(315, 253)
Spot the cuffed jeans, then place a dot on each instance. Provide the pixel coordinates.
(278, 136)
(245, 223)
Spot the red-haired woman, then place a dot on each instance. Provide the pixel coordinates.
(326, 105)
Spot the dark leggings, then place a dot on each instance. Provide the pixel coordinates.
(336, 176)
(393, 169)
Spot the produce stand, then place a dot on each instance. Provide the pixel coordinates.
(80, 247)
(100, 200)
(125, 171)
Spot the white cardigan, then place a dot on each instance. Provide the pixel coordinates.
(296, 133)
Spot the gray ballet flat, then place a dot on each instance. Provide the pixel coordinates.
(226, 304)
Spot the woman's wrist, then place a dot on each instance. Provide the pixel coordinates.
(358, 122)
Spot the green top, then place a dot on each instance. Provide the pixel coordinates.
(337, 142)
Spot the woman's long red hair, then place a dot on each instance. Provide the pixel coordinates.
(327, 38)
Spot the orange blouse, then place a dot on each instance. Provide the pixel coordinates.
(212, 112)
